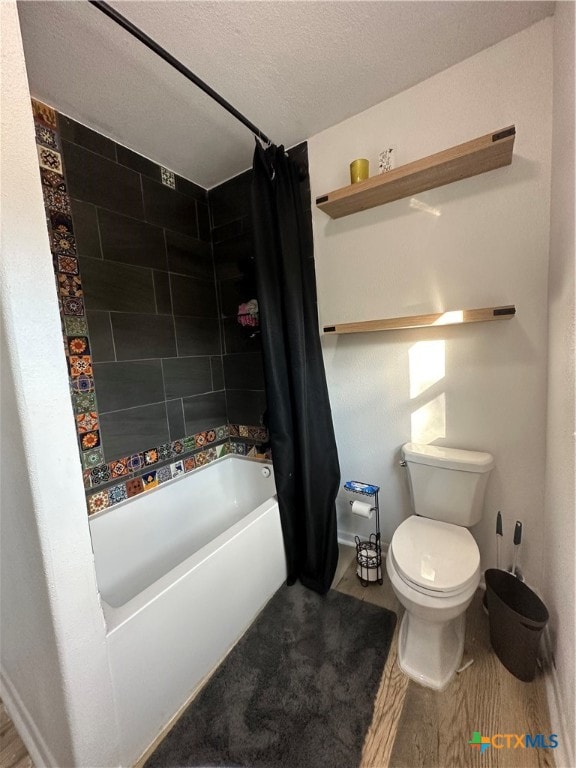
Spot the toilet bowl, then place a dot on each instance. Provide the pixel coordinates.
(434, 569)
(433, 561)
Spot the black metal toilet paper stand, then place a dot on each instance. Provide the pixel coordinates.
(368, 551)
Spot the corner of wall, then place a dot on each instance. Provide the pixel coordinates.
(48, 587)
(559, 541)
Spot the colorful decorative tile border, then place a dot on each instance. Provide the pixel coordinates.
(103, 473)
(252, 433)
(68, 285)
(168, 178)
(152, 478)
(190, 453)
(242, 448)
(128, 476)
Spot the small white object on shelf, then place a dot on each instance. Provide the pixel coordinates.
(387, 159)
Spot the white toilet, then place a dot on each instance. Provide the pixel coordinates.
(433, 561)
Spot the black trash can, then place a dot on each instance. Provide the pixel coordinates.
(517, 618)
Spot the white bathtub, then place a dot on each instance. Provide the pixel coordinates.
(182, 571)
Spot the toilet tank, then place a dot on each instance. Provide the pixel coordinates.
(447, 484)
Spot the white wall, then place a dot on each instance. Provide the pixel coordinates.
(559, 541)
(54, 668)
(488, 247)
(26, 621)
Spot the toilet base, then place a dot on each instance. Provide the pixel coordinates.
(431, 652)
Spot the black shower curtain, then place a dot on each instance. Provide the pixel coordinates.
(299, 418)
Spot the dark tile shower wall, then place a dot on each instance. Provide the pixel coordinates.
(232, 244)
(143, 242)
(144, 314)
(126, 320)
(234, 262)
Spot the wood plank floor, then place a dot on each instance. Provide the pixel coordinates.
(13, 753)
(415, 727)
(412, 726)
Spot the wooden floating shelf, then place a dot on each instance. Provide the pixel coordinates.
(456, 317)
(480, 155)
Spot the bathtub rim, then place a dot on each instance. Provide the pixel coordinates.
(115, 618)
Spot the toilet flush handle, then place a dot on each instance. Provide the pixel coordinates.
(403, 463)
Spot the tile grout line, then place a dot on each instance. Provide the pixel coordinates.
(212, 378)
(133, 407)
(183, 414)
(144, 216)
(155, 314)
(93, 151)
(165, 399)
(172, 399)
(101, 247)
(113, 340)
(135, 218)
(197, 220)
(173, 314)
(147, 359)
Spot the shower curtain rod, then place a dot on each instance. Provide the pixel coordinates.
(153, 45)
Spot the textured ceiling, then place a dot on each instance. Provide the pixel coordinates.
(293, 68)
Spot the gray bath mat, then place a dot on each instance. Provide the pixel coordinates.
(296, 692)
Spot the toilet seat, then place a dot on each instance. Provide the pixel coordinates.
(433, 557)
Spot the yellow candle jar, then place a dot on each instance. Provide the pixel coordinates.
(359, 170)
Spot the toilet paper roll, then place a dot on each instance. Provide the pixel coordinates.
(362, 509)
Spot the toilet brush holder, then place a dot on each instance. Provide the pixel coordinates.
(368, 551)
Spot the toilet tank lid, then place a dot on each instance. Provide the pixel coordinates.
(448, 458)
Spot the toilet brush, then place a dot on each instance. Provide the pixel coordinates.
(498, 539)
(517, 541)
